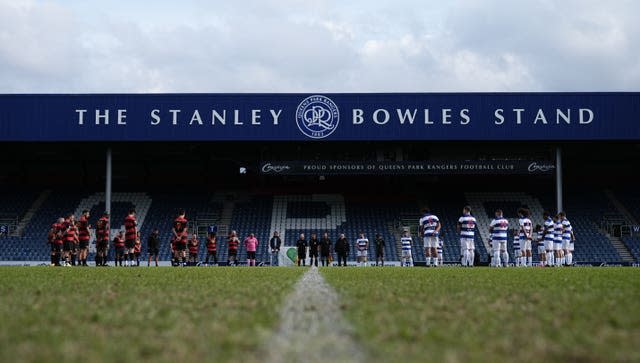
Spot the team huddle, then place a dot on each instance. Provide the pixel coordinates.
(554, 240)
(69, 243)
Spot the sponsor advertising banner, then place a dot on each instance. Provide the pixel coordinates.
(443, 167)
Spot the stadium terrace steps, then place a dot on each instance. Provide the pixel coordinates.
(633, 244)
(28, 215)
(621, 208)
(620, 248)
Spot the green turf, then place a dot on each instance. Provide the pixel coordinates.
(138, 314)
(487, 315)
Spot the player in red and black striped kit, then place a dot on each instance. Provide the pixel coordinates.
(56, 239)
(137, 248)
(119, 243)
(194, 246)
(83, 238)
(70, 239)
(102, 239)
(130, 234)
(180, 234)
(232, 245)
(212, 248)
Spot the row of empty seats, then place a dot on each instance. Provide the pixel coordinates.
(295, 214)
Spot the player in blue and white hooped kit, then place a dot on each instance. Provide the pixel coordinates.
(466, 229)
(406, 259)
(568, 238)
(558, 228)
(539, 240)
(362, 244)
(499, 229)
(430, 231)
(549, 237)
(517, 252)
(525, 234)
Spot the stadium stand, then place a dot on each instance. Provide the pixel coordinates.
(294, 214)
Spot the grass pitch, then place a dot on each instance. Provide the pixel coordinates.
(398, 314)
(487, 315)
(138, 314)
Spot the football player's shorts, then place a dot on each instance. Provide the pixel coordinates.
(571, 246)
(406, 253)
(541, 249)
(362, 253)
(467, 243)
(430, 242)
(525, 245)
(557, 245)
(495, 245)
(548, 245)
(565, 244)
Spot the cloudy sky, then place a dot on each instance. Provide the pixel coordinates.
(83, 46)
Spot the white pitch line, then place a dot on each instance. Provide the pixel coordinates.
(312, 328)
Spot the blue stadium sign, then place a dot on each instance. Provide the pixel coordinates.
(368, 116)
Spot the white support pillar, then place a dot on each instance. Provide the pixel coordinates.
(559, 179)
(107, 192)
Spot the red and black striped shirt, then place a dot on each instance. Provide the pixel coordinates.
(211, 244)
(118, 242)
(130, 230)
(83, 228)
(233, 243)
(102, 229)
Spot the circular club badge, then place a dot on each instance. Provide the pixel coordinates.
(317, 116)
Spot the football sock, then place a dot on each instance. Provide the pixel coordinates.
(505, 259)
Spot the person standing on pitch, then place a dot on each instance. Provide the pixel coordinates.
(137, 248)
(274, 243)
(466, 229)
(102, 240)
(180, 235)
(558, 230)
(83, 238)
(118, 242)
(379, 244)
(342, 249)
(568, 238)
(498, 230)
(301, 244)
(539, 241)
(325, 249)
(212, 248)
(526, 236)
(549, 236)
(251, 244)
(130, 233)
(362, 246)
(194, 246)
(153, 246)
(232, 245)
(70, 240)
(430, 230)
(314, 245)
(406, 259)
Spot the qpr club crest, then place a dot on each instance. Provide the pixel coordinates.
(317, 116)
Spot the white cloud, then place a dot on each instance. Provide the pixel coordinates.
(321, 46)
